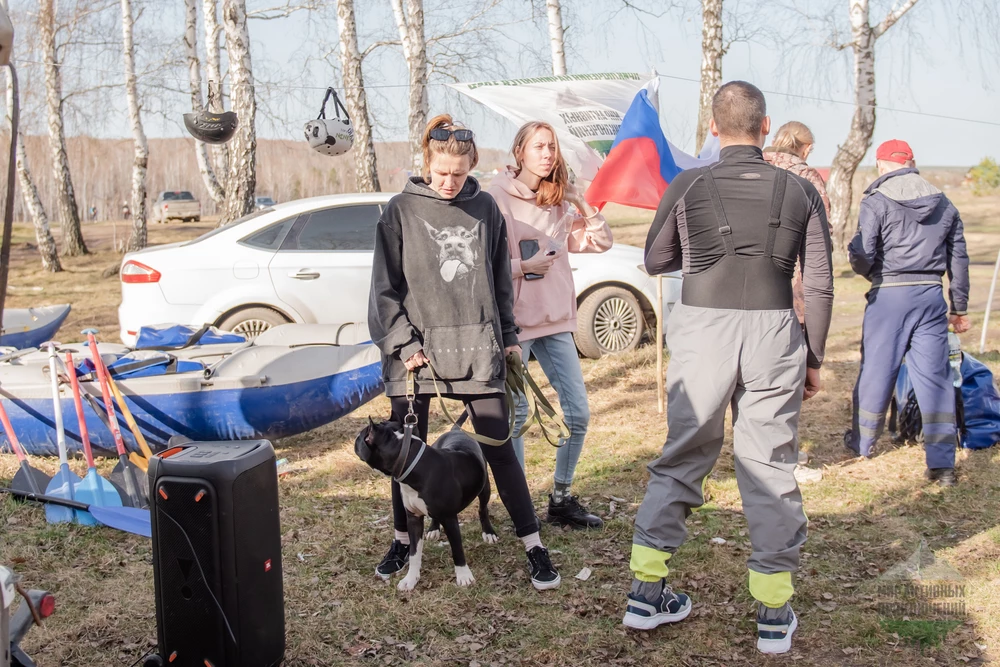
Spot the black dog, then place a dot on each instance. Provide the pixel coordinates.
(438, 481)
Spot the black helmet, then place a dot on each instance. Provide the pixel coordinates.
(211, 128)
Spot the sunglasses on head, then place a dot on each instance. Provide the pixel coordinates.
(443, 134)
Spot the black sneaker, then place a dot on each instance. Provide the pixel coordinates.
(848, 436)
(571, 513)
(943, 476)
(669, 607)
(394, 560)
(775, 628)
(544, 575)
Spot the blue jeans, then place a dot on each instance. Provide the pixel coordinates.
(559, 361)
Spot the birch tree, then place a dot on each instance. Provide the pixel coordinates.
(43, 235)
(556, 36)
(409, 15)
(864, 36)
(712, 50)
(242, 180)
(140, 158)
(69, 215)
(213, 69)
(205, 166)
(365, 164)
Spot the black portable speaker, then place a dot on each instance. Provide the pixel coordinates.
(217, 555)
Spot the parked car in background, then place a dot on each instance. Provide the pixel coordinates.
(310, 260)
(263, 202)
(176, 205)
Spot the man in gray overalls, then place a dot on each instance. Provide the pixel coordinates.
(909, 236)
(736, 229)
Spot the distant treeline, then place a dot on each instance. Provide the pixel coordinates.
(102, 171)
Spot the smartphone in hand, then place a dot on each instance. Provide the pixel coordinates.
(529, 248)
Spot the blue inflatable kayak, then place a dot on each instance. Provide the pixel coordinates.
(288, 381)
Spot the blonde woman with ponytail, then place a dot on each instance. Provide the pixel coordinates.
(792, 146)
(442, 298)
(546, 214)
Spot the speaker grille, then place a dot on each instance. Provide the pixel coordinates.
(258, 564)
(191, 623)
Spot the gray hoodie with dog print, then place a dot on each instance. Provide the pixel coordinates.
(441, 283)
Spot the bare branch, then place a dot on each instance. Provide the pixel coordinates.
(378, 45)
(893, 16)
(284, 11)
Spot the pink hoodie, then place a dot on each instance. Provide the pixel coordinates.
(547, 306)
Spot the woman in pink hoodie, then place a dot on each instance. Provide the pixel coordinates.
(547, 218)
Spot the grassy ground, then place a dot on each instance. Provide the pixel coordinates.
(866, 517)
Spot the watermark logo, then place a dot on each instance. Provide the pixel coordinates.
(922, 587)
(922, 598)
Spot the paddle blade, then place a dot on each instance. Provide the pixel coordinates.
(128, 519)
(127, 476)
(61, 486)
(95, 491)
(30, 479)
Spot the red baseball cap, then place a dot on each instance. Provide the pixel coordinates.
(894, 150)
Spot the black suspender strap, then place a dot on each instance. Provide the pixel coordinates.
(720, 213)
(777, 199)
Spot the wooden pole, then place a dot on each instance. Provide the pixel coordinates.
(989, 305)
(660, 389)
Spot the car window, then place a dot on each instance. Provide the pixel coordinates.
(339, 228)
(234, 223)
(270, 237)
(178, 196)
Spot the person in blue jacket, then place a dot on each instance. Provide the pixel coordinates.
(909, 235)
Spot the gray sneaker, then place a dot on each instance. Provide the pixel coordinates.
(644, 613)
(775, 628)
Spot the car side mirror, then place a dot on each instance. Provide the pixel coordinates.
(6, 37)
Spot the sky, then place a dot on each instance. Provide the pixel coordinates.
(921, 67)
(928, 63)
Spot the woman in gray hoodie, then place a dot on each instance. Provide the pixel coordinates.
(442, 298)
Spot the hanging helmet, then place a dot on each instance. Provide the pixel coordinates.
(212, 128)
(330, 136)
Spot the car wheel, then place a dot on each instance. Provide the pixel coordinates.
(609, 321)
(196, 218)
(251, 322)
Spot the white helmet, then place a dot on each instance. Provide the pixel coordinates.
(330, 136)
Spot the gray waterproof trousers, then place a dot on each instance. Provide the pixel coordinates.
(754, 362)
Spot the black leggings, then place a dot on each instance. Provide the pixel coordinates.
(490, 418)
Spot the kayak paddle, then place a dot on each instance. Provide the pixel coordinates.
(138, 461)
(27, 478)
(125, 475)
(127, 519)
(62, 484)
(93, 489)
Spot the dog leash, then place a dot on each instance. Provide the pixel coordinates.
(409, 421)
(519, 383)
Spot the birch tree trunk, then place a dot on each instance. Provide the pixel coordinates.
(69, 215)
(859, 139)
(365, 164)
(712, 50)
(242, 173)
(213, 63)
(205, 166)
(141, 155)
(410, 24)
(43, 235)
(556, 40)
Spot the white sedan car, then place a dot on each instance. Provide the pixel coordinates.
(310, 261)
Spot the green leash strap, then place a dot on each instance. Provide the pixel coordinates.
(519, 383)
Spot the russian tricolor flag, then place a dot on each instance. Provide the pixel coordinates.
(641, 162)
